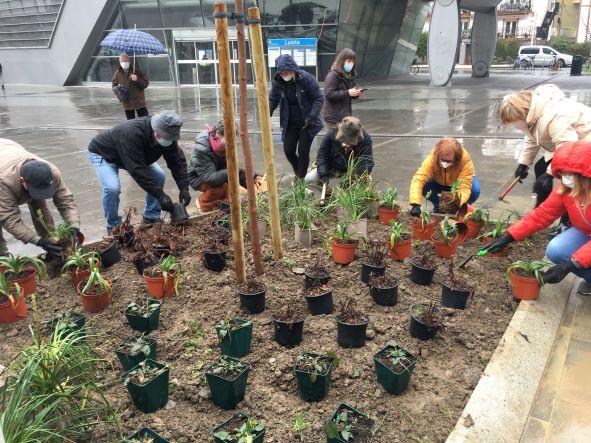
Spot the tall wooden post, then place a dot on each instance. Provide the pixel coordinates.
(253, 228)
(258, 58)
(221, 31)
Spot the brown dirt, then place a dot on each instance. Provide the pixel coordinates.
(288, 315)
(318, 271)
(447, 205)
(316, 291)
(438, 390)
(383, 282)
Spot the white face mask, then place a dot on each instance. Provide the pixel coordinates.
(162, 141)
(568, 180)
(124, 65)
(445, 165)
(287, 78)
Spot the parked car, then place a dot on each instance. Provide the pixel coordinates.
(544, 55)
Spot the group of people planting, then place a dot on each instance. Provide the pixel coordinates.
(549, 121)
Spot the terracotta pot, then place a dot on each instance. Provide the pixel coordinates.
(10, 314)
(28, 283)
(401, 249)
(343, 253)
(386, 215)
(79, 275)
(445, 250)
(525, 288)
(94, 302)
(474, 228)
(420, 232)
(157, 288)
(502, 253)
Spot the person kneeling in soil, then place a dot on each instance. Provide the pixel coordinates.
(25, 178)
(348, 139)
(570, 250)
(448, 163)
(208, 171)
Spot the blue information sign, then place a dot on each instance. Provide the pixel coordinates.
(303, 50)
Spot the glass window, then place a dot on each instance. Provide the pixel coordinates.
(101, 69)
(185, 51)
(181, 13)
(140, 13)
(299, 12)
(529, 51)
(156, 68)
(207, 7)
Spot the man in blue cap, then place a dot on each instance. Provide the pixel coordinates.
(136, 145)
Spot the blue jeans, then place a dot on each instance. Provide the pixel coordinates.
(436, 188)
(563, 246)
(108, 174)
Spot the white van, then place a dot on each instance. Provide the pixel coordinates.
(543, 55)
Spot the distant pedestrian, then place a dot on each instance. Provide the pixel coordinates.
(128, 85)
(299, 98)
(340, 89)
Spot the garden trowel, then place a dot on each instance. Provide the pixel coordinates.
(480, 253)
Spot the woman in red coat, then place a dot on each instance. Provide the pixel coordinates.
(571, 250)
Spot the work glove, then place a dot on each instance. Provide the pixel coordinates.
(165, 201)
(416, 210)
(522, 171)
(185, 197)
(50, 246)
(556, 273)
(75, 232)
(499, 244)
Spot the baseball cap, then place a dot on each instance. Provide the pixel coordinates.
(39, 179)
(168, 125)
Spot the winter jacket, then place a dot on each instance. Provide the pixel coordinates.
(307, 90)
(12, 194)
(337, 103)
(463, 170)
(135, 90)
(332, 157)
(131, 145)
(205, 166)
(572, 158)
(553, 119)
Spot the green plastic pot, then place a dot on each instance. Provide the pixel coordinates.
(334, 416)
(128, 361)
(313, 391)
(145, 324)
(236, 343)
(393, 382)
(259, 438)
(147, 432)
(152, 395)
(227, 393)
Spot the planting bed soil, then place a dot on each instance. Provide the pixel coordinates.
(446, 371)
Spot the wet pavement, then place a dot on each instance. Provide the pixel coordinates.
(406, 116)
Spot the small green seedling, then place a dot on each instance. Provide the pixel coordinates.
(534, 268)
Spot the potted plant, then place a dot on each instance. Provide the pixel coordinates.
(312, 372)
(446, 238)
(425, 320)
(125, 234)
(499, 228)
(163, 244)
(400, 241)
(134, 350)
(475, 221)
(78, 265)
(12, 302)
(69, 321)
(108, 251)
(239, 429)
(214, 254)
(227, 379)
(347, 424)
(145, 435)
(422, 228)
(342, 246)
(449, 202)
(262, 205)
(394, 365)
(422, 269)
(23, 270)
(526, 278)
(143, 314)
(319, 299)
(351, 325)
(147, 384)
(354, 200)
(252, 295)
(384, 290)
(163, 279)
(454, 292)
(289, 326)
(374, 263)
(301, 212)
(61, 233)
(316, 275)
(95, 291)
(235, 336)
(388, 209)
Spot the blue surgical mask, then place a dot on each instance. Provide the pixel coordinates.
(348, 67)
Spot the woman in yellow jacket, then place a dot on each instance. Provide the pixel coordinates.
(446, 163)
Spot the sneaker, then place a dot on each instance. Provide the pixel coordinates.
(584, 287)
(557, 231)
(150, 221)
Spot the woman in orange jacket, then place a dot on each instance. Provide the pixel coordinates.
(447, 163)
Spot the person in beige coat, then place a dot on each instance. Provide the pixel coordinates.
(25, 178)
(548, 119)
(133, 81)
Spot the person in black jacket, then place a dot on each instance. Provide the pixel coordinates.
(299, 98)
(339, 144)
(340, 89)
(135, 146)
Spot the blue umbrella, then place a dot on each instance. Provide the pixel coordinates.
(133, 41)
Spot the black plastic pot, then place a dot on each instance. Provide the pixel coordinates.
(144, 262)
(148, 433)
(144, 324)
(320, 304)
(236, 343)
(128, 361)
(351, 335)
(393, 382)
(367, 271)
(288, 334)
(385, 296)
(451, 298)
(420, 330)
(127, 240)
(334, 416)
(252, 303)
(226, 393)
(310, 282)
(421, 276)
(313, 391)
(257, 438)
(179, 215)
(110, 255)
(214, 261)
(152, 395)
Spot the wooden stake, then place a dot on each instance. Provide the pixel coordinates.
(221, 31)
(258, 59)
(253, 228)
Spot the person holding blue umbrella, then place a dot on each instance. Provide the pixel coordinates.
(129, 85)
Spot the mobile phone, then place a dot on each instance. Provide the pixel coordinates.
(362, 90)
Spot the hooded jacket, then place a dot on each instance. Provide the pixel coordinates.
(332, 157)
(571, 158)
(135, 90)
(337, 103)
(131, 146)
(205, 166)
(553, 119)
(463, 170)
(307, 91)
(12, 194)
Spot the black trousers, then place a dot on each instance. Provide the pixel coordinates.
(141, 112)
(296, 145)
(544, 184)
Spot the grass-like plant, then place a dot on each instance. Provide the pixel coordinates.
(59, 232)
(534, 268)
(95, 279)
(398, 230)
(80, 260)
(17, 264)
(389, 198)
(170, 267)
(500, 226)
